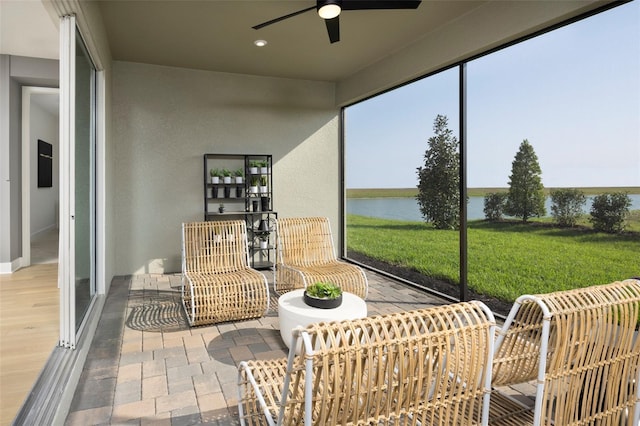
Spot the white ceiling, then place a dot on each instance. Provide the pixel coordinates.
(217, 35)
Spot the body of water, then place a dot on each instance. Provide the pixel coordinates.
(407, 208)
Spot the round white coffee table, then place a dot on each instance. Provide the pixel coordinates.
(292, 312)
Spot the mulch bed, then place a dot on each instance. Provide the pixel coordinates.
(497, 306)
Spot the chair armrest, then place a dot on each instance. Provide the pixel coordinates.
(288, 278)
(246, 379)
(187, 297)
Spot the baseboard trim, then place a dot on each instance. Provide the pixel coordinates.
(10, 267)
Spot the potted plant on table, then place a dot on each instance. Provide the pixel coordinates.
(323, 295)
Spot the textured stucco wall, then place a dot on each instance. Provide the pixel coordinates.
(165, 119)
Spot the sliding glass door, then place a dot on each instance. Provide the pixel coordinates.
(77, 266)
(84, 181)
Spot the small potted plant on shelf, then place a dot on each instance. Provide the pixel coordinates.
(264, 240)
(254, 185)
(226, 173)
(216, 174)
(221, 208)
(263, 185)
(264, 169)
(238, 174)
(254, 166)
(323, 295)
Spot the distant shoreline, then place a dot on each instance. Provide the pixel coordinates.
(472, 192)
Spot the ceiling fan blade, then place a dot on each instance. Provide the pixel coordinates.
(379, 4)
(282, 18)
(333, 28)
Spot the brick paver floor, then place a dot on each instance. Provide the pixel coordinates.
(146, 366)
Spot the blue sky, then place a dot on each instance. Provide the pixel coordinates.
(574, 93)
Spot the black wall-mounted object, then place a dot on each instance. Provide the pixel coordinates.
(45, 164)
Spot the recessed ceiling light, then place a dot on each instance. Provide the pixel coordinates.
(260, 43)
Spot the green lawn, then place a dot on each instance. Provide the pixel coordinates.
(506, 259)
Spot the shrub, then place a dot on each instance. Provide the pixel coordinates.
(609, 211)
(494, 203)
(324, 290)
(566, 206)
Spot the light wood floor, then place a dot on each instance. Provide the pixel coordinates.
(29, 330)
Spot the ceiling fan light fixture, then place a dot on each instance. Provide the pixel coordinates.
(329, 9)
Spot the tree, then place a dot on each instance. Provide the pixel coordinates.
(439, 178)
(567, 205)
(494, 205)
(526, 192)
(609, 211)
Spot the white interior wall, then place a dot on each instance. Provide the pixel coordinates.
(5, 181)
(165, 119)
(15, 72)
(44, 201)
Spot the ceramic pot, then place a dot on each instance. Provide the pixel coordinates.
(264, 204)
(322, 303)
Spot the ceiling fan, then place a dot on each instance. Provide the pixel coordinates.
(329, 10)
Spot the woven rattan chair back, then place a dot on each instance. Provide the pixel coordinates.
(430, 366)
(582, 347)
(306, 254)
(217, 283)
(305, 241)
(215, 247)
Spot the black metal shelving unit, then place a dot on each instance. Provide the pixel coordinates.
(253, 203)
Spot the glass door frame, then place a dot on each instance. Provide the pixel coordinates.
(70, 330)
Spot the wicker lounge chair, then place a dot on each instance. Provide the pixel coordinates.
(306, 255)
(582, 348)
(431, 366)
(217, 283)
